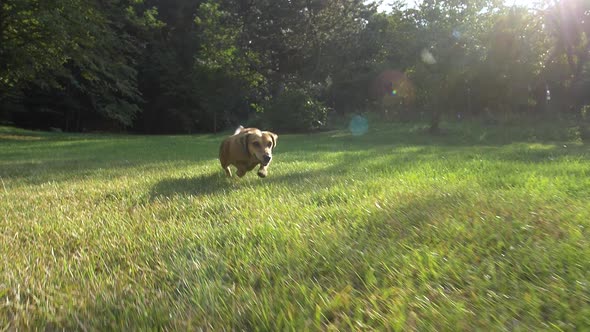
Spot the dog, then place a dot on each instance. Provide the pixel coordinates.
(246, 149)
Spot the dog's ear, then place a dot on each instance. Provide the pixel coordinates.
(245, 140)
(238, 130)
(274, 139)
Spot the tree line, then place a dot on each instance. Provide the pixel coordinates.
(186, 66)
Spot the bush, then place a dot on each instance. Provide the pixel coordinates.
(295, 110)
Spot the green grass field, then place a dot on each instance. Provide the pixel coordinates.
(482, 228)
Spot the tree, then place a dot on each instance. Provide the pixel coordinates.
(156, 66)
(447, 34)
(79, 50)
(273, 46)
(568, 26)
(35, 39)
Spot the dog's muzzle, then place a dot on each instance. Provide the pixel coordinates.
(266, 159)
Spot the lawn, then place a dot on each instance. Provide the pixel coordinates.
(479, 228)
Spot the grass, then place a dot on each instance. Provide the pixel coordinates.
(483, 228)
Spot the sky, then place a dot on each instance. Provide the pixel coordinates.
(412, 3)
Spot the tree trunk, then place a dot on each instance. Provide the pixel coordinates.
(215, 122)
(435, 123)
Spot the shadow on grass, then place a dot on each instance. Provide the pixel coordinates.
(544, 153)
(217, 182)
(37, 162)
(60, 157)
(201, 185)
(352, 162)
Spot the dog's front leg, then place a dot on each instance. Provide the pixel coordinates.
(227, 171)
(263, 171)
(241, 172)
(244, 168)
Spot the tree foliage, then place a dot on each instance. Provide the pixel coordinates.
(158, 66)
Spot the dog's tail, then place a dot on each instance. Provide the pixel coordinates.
(239, 130)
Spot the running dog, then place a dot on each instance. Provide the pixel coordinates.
(246, 149)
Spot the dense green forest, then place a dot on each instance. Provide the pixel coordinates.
(186, 66)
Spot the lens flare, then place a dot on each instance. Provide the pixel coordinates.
(359, 125)
(391, 89)
(427, 57)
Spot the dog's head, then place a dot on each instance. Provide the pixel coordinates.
(260, 144)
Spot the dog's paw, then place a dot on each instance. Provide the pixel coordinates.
(262, 174)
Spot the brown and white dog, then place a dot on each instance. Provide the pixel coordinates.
(246, 149)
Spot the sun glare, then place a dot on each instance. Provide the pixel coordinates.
(387, 4)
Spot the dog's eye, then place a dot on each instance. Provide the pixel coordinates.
(269, 144)
(256, 144)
